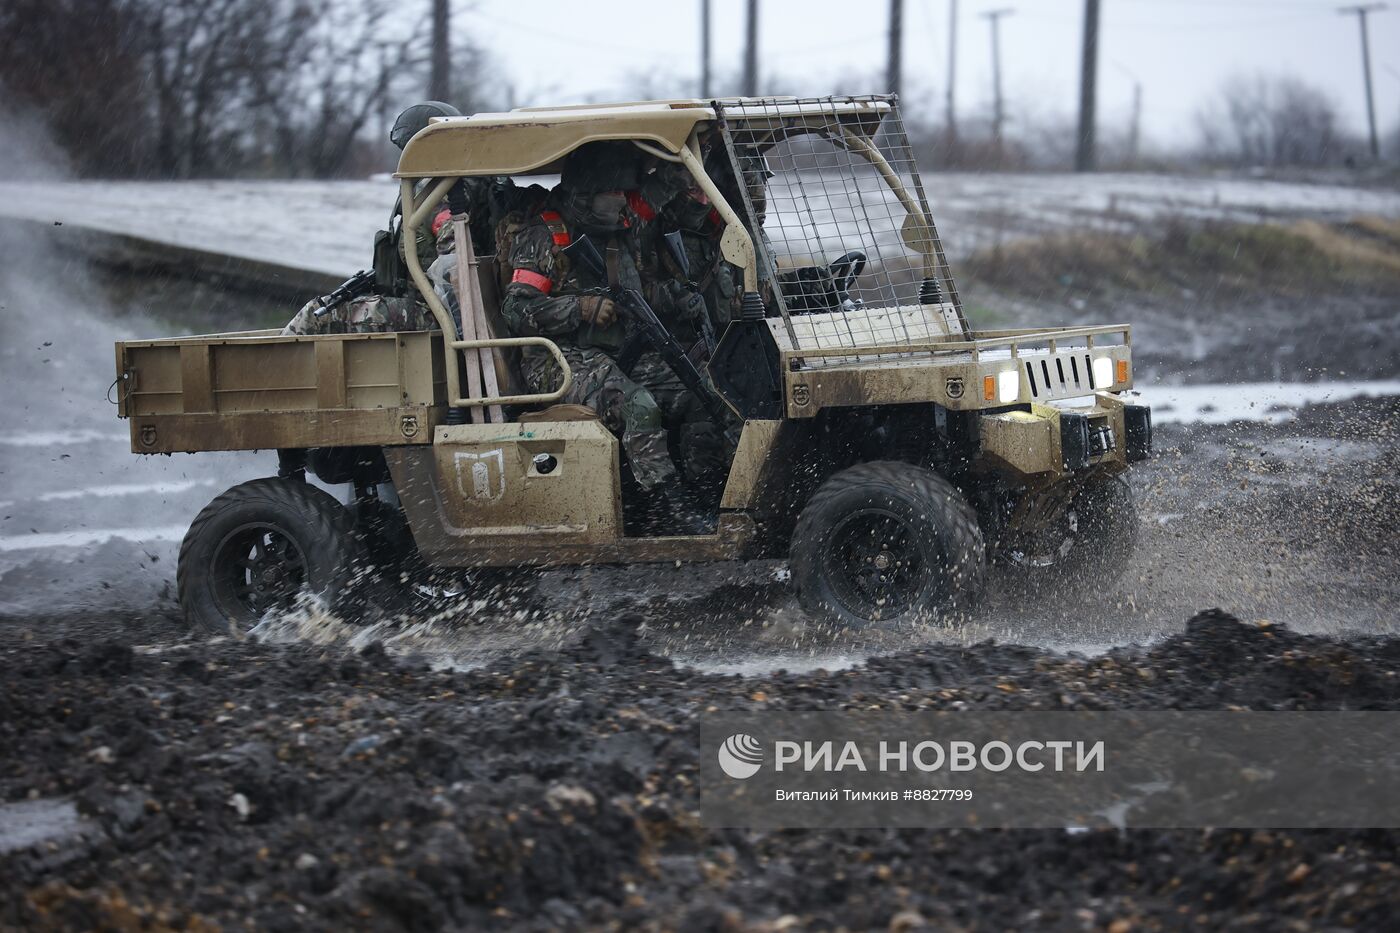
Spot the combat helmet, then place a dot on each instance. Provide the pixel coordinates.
(416, 117)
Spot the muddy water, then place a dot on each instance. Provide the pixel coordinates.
(1286, 523)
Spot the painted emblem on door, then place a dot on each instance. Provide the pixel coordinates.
(481, 475)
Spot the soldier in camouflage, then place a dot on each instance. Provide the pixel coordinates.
(545, 297)
(368, 314)
(679, 302)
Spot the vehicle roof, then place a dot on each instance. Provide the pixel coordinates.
(535, 139)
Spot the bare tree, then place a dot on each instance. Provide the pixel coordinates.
(1271, 121)
(204, 56)
(75, 66)
(337, 75)
(181, 88)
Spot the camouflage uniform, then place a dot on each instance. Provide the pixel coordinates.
(544, 299)
(699, 442)
(701, 227)
(377, 314)
(368, 314)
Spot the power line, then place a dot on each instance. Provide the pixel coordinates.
(1320, 6)
(846, 42)
(1177, 26)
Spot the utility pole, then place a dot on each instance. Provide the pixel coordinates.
(1361, 11)
(439, 78)
(751, 53)
(705, 49)
(896, 45)
(1088, 86)
(1135, 129)
(993, 17)
(952, 118)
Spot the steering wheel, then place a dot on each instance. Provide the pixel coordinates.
(846, 270)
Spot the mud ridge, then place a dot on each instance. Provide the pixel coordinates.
(292, 786)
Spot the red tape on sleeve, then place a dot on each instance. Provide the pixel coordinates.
(639, 206)
(555, 222)
(533, 279)
(443, 216)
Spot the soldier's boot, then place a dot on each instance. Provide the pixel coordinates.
(668, 507)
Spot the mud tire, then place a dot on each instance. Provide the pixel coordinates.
(288, 516)
(1106, 536)
(923, 524)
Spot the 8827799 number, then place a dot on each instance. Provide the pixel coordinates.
(938, 793)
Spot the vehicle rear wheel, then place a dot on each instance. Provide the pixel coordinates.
(259, 545)
(1089, 545)
(886, 543)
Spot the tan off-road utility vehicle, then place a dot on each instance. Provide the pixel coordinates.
(882, 445)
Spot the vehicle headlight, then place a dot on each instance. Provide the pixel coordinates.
(1103, 372)
(1008, 386)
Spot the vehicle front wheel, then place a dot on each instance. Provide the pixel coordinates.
(1087, 546)
(886, 543)
(257, 546)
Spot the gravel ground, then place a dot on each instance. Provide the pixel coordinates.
(287, 786)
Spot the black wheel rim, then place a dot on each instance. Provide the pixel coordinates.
(875, 564)
(256, 567)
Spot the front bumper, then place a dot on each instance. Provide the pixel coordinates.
(1049, 440)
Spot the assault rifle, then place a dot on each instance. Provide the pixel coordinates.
(361, 283)
(641, 324)
(675, 245)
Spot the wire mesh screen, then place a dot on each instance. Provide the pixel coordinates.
(847, 248)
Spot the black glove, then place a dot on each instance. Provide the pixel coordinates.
(688, 303)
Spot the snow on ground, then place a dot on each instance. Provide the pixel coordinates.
(328, 226)
(323, 226)
(1273, 402)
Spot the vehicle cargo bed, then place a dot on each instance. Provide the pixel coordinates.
(259, 389)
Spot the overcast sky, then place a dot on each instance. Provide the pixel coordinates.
(567, 50)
